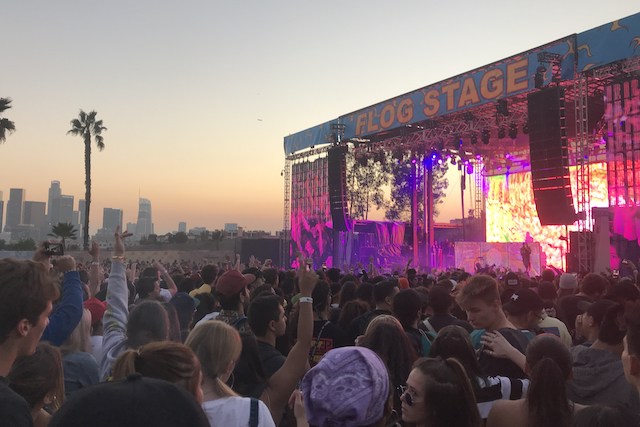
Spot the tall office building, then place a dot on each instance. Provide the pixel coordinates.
(54, 193)
(35, 214)
(65, 212)
(111, 218)
(15, 206)
(182, 227)
(82, 210)
(144, 227)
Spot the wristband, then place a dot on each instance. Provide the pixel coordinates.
(95, 263)
(305, 299)
(117, 258)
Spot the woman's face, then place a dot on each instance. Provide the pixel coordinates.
(414, 410)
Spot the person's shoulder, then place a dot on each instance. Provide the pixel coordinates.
(14, 410)
(505, 413)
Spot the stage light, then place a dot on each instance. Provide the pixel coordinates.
(413, 161)
(513, 131)
(439, 161)
(453, 161)
(486, 135)
(460, 166)
(539, 77)
(469, 169)
(525, 128)
(501, 133)
(502, 107)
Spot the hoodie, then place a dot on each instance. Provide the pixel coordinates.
(598, 378)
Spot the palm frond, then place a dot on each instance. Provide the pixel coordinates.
(100, 142)
(5, 104)
(6, 127)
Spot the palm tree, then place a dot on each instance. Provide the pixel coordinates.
(64, 230)
(6, 125)
(87, 127)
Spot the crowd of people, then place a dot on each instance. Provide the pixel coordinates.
(111, 342)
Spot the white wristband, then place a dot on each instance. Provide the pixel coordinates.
(305, 299)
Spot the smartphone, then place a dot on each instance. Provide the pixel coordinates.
(53, 249)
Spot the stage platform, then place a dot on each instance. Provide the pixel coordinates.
(467, 254)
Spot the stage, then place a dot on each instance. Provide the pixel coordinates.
(539, 140)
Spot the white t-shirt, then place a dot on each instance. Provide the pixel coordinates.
(235, 412)
(96, 347)
(210, 316)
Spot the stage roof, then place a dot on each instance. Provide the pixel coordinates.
(477, 100)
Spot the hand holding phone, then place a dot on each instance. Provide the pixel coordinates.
(53, 249)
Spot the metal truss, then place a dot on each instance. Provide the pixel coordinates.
(286, 226)
(582, 149)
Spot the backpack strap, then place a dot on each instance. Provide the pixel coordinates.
(429, 326)
(236, 323)
(254, 414)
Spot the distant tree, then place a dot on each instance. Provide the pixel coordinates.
(399, 208)
(88, 128)
(3, 244)
(217, 236)
(22, 245)
(181, 237)
(367, 179)
(6, 125)
(152, 239)
(64, 230)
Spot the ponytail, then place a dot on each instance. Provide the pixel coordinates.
(467, 389)
(125, 365)
(547, 400)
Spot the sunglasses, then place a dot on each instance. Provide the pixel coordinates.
(406, 396)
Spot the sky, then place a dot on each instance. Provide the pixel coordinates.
(197, 96)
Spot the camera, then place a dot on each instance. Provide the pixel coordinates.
(53, 249)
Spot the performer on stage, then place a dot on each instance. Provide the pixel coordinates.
(525, 253)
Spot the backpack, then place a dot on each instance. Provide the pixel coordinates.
(239, 321)
(426, 339)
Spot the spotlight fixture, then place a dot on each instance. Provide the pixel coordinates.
(513, 131)
(474, 138)
(502, 107)
(453, 161)
(486, 135)
(470, 169)
(501, 133)
(539, 77)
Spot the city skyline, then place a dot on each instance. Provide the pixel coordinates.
(198, 96)
(45, 214)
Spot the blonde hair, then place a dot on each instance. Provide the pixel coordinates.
(80, 338)
(216, 344)
(165, 360)
(383, 318)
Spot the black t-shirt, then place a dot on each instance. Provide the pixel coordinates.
(326, 336)
(493, 366)
(14, 410)
(439, 321)
(271, 358)
(359, 325)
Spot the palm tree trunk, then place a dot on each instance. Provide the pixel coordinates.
(87, 192)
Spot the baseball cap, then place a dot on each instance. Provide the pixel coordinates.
(134, 401)
(233, 282)
(523, 301)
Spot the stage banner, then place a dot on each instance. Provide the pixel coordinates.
(317, 135)
(503, 79)
(609, 43)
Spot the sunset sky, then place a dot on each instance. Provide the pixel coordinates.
(198, 95)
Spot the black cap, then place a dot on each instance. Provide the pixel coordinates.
(132, 402)
(523, 301)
